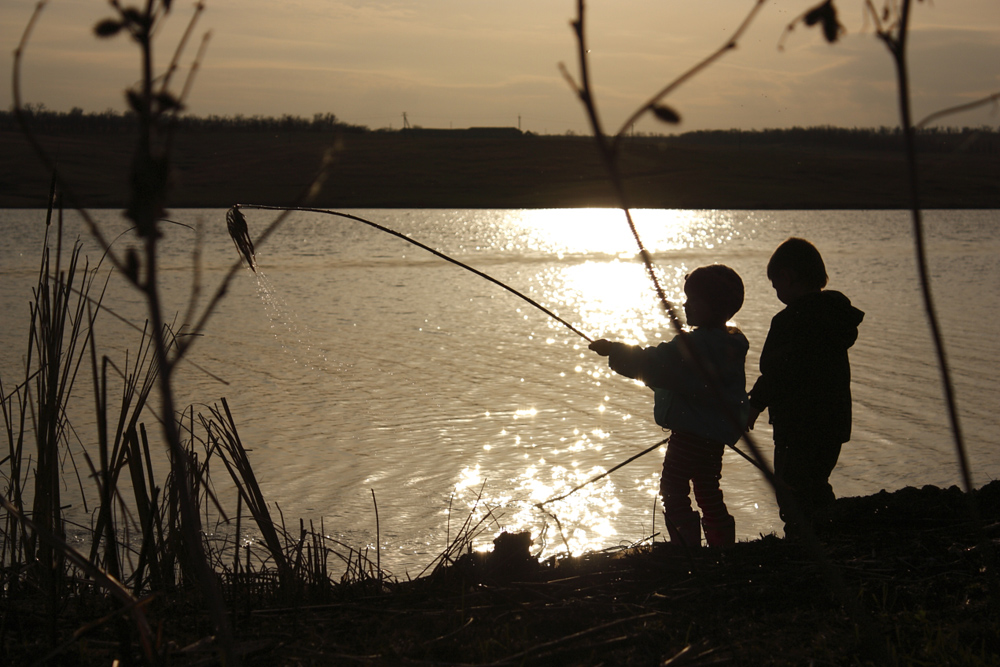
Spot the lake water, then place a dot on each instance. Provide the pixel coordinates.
(357, 363)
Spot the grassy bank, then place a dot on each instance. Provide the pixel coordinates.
(387, 170)
(922, 574)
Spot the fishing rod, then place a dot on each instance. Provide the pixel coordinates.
(237, 226)
(238, 230)
(625, 463)
(602, 475)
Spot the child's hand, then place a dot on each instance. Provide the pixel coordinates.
(752, 418)
(601, 347)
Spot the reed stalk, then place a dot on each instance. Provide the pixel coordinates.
(146, 533)
(224, 437)
(155, 107)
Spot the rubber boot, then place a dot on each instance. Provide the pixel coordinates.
(684, 529)
(720, 533)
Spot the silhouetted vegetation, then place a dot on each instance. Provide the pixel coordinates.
(42, 119)
(217, 162)
(160, 586)
(983, 139)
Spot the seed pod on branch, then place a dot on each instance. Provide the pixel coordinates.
(827, 15)
(237, 225)
(108, 28)
(666, 114)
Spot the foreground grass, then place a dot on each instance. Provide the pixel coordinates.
(924, 577)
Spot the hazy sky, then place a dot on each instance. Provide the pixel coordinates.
(462, 63)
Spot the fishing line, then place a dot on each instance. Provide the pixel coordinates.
(283, 318)
(237, 226)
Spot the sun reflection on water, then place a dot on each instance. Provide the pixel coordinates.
(563, 232)
(582, 522)
(600, 285)
(615, 296)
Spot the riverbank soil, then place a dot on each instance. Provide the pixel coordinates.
(398, 170)
(900, 578)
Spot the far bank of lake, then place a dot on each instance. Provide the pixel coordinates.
(215, 169)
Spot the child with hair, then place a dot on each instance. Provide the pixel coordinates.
(704, 414)
(805, 380)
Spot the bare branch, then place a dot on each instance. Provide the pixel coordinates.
(957, 109)
(609, 156)
(174, 62)
(64, 188)
(686, 76)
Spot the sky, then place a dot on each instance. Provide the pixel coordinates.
(474, 63)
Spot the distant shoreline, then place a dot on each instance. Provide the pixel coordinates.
(398, 170)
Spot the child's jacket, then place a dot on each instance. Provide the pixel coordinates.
(805, 374)
(683, 399)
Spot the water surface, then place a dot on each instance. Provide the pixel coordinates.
(354, 362)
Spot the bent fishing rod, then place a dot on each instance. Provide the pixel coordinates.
(238, 231)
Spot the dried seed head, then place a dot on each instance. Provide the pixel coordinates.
(827, 15)
(108, 28)
(666, 114)
(237, 225)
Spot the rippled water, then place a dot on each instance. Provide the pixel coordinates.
(357, 363)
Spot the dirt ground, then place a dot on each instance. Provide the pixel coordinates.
(895, 578)
(903, 578)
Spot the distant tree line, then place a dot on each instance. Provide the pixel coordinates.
(983, 139)
(41, 119)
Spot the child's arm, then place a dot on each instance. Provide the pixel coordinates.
(654, 366)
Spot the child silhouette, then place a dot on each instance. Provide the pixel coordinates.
(688, 403)
(805, 380)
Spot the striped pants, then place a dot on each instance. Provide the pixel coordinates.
(691, 460)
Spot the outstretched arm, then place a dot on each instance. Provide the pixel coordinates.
(655, 366)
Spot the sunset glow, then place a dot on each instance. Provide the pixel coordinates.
(452, 63)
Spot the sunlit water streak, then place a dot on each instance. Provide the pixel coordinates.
(357, 362)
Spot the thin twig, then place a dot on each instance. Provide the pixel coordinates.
(573, 637)
(896, 43)
(730, 44)
(956, 109)
(65, 190)
(378, 541)
(609, 156)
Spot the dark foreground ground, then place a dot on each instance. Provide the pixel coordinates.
(395, 170)
(896, 578)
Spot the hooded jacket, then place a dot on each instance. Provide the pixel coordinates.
(684, 400)
(805, 373)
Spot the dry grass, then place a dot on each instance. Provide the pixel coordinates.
(925, 576)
